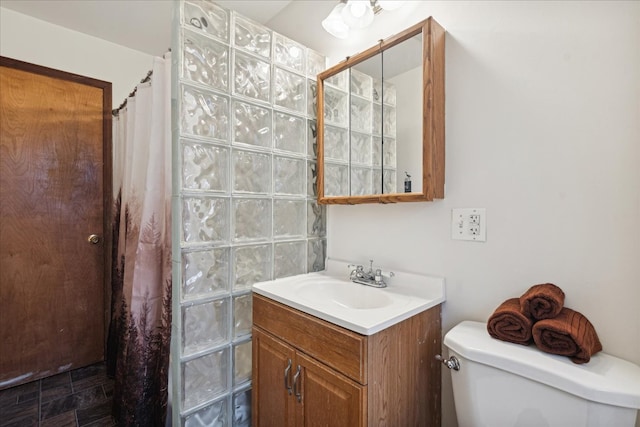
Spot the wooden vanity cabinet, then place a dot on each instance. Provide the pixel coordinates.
(309, 372)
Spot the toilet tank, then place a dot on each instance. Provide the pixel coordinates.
(503, 384)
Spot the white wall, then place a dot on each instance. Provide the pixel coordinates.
(542, 130)
(38, 42)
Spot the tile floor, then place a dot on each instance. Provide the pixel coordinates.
(78, 398)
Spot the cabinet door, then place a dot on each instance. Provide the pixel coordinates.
(272, 406)
(327, 398)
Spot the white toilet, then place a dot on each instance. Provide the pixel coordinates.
(500, 384)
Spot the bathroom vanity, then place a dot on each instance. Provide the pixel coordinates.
(308, 370)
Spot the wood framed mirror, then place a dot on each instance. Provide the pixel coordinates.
(381, 121)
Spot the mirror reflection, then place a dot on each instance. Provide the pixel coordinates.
(371, 130)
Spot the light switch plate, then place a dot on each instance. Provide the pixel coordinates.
(469, 224)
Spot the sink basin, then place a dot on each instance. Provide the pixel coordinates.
(331, 296)
(345, 294)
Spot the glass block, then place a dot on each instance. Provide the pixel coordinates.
(289, 133)
(204, 114)
(289, 176)
(312, 98)
(205, 325)
(360, 115)
(251, 36)
(390, 181)
(389, 150)
(289, 259)
(376, 151)
(205, 219)
(289, 90)
(317, 253)
(242, 315)
(251, 172)
(251, 124)
(336, 180)
(312, 179)
(360, 148)
(242, 409)
(288, 53)
(376, 90)
(388, 121)
(214, 415)
(376, 119)
(207, 17)
(376, 184)
(205, 167)
(205, 273)
(242, 363)
(339, 81)
(205, 61)
(251, 264)
(251, 77)
(336, 143)
(312, 139)
(316, 219)
(389, 93)
(288, 218)
(336, 109)
(251, 219)
(361, 84)
(316, 63)
(360, 181)
(205, 378)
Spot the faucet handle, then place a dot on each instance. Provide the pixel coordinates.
(379, 275)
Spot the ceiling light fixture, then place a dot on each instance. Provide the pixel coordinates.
(355, 14)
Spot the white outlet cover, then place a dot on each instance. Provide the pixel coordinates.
(463, 228)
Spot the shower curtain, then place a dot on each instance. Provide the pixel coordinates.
(140, 328)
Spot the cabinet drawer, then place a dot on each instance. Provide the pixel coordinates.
(343, 350)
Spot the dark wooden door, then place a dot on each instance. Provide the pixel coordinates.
(55, 131)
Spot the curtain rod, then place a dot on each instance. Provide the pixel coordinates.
(147, 78)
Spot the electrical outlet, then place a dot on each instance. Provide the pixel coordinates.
(469, 224)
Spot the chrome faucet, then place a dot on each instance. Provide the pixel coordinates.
(372, 277)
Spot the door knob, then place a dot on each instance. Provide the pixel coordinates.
(94, 239)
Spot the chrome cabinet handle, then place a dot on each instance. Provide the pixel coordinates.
(94, 239)
(296, 377)
(286, 378)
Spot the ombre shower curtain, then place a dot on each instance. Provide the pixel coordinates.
(140, 328)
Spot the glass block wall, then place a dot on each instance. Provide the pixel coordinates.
(359, 112)
(244, 197)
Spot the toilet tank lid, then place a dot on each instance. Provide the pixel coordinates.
(605, 379)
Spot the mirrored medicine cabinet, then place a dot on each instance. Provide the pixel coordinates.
(381, 121)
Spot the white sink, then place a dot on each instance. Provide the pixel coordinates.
(336, 291)
(331, 296)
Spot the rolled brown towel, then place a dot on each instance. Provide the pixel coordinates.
(542, 301)
(508, 323)
(568, 334)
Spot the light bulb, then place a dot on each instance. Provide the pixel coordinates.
(357, 13)
(334, 25)
(357, 9)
